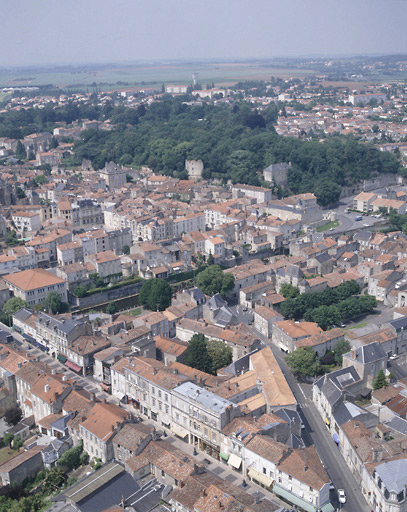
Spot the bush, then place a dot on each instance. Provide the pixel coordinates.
(71, 459)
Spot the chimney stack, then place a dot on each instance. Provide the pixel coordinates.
(305, 468)
(46, 388)
(353, 353)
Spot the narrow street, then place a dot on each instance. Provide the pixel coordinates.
(318, 435)
(314, 433)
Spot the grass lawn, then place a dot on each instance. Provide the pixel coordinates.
(357, 326)
(325, 227)
(135, 312)
(6, 453)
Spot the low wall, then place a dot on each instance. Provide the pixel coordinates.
(103, 297)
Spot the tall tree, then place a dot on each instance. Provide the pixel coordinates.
(196, 355)
(380, 381)
(20, 151)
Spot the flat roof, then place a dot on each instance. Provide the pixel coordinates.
(204, 397)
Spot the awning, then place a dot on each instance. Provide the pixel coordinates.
(223, 456)
(328, 507)
(107, 387)
(295, 500)
(327, 422)
(73, 366)
(336, 438)
(61, 358)
(28, 337)
(179, 431)
(235, 461)
(260, 477)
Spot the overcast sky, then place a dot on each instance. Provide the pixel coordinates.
(85, 31)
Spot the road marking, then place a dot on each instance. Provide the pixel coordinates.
(302, 392)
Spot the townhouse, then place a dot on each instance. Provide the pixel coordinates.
(34, 285)
(98, 429)
(199, 415)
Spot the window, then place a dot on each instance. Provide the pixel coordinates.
(264, 471)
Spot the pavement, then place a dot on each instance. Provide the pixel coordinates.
(316, 433)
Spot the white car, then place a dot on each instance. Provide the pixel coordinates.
(394, 356)
(341, 496)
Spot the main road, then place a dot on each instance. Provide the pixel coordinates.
(317, 434)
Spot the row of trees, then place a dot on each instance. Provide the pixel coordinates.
(326, 316)
(207, 355)
(297, 306)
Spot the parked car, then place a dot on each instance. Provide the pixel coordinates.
(358, 218)
(394, 356)
(341, 496)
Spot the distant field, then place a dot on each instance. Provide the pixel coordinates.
(143, 75)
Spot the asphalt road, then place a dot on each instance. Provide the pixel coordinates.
(317, 434)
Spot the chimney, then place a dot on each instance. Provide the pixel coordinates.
(46, 388)
(305, 468)
(176, 371)
(19, 365)
(353, 353)
(203, 493)
(154, 371)
(54, 372)
(64, 377)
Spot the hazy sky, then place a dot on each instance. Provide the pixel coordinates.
(85, 31)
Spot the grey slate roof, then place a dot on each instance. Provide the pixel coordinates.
(323, 258)
(288, 415)
(332, 385)
(295, 271)
(349, 411)
(23, 314)
(393, 475)
(66, 326)
(363, 236)
(398, 424)
(370, 353)
(399, 324)
(197, 294)
(217, 302)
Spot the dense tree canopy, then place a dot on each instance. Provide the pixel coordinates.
(54, 304)
(233, 142)
(207, 355)
(13, 305)
(297, 307)
(213, 280)
(303, 362)
(156, 294)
